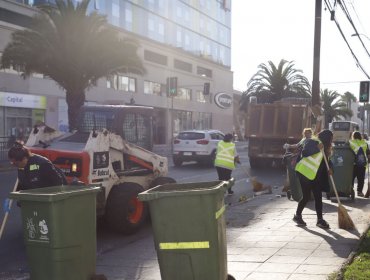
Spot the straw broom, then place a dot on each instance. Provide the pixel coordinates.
(344, 220)
(368, 183)
(7, 211)
(257, 185)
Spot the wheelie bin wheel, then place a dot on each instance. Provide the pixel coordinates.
(352, 195)
(289, 194)
(229, 277)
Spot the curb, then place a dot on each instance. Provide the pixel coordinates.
(351, 256)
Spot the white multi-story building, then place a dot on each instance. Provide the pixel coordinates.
(187, 39)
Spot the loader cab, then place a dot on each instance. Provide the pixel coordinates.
(132, 123)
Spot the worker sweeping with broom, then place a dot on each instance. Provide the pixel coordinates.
(313, 175)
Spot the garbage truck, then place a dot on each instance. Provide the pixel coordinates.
(111, 147)
(270, 125)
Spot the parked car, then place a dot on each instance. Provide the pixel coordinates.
(196, 145)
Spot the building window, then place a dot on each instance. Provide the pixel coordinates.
(202, 120)
(96, 5)
(182, 65)
(152, 88)
(183, 93)
(161, 29)
(181, 121)
(128, 15)
(119, 82)
(204, 72)
(115, 9)
(200, 96)
(150, 24)
(115, 12)
(155, 57)
(112, 82)
(178, 37)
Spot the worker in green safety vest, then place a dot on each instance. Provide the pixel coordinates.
(226, 157)
(313, 175)
(361, 151)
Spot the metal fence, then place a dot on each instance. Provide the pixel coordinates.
(5, 144)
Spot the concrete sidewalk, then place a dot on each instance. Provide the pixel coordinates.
(263, 242)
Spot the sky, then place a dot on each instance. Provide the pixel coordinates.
(264, 30)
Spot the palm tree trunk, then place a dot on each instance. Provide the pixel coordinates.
(75, 100)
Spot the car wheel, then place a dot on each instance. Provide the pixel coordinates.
(212, 158)
(177, 162)
(124, 212)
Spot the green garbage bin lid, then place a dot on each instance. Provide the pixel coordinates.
(199, 188)
(51, 194)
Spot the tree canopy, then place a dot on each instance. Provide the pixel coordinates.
(272, 83)
(334, 108)
(73, 48)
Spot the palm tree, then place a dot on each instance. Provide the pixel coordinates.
(348, 98)
(272, 83)
(334, 108)
(73, 48)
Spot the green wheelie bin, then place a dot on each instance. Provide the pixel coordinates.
(59, 229)
(189, 229)
(343, 159)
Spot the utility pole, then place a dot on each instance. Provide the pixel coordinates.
(316, 55)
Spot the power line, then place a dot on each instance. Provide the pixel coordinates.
(342, 82)
(345, 10)
(345, 39)
(354, 10)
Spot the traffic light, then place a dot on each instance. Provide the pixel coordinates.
(206, 88)
(171, 86)
(364, 91)
(360, 112)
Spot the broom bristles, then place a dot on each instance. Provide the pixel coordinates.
(257, 186)
(344, 220)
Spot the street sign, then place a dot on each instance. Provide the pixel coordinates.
(364, 91)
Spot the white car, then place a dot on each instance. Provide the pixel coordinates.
(196, 145)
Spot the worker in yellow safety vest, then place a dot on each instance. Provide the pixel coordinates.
(313, 175)
(361, 151)
(226, 157)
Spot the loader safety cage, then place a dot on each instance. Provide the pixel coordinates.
(133, 123)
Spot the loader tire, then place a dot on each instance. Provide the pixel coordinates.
(124, 212)
(162, 181)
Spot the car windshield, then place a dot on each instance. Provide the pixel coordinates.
(341, 126)
(191, 136)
